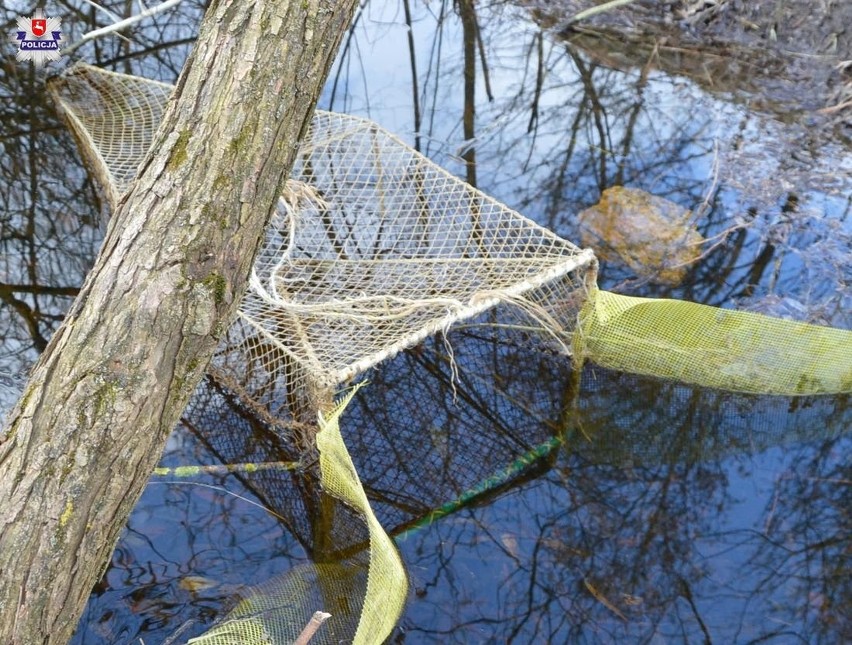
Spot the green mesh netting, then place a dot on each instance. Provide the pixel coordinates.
(386, 583)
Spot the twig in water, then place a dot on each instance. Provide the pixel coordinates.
(597, 595)
(699, 212)
(310, 629)
(225, 469)
(592, 11)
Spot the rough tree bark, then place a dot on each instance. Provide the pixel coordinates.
(92, 422)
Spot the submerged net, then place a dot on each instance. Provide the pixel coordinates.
(364, 591)
(374, 250)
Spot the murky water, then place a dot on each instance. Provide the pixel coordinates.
(659, 514)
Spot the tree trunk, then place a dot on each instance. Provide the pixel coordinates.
(77, 450)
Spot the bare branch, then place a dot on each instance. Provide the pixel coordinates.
(310, 629)
(118, 26)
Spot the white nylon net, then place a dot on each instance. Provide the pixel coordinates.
(114, 117)
(373, 248)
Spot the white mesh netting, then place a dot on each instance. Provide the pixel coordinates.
(114, 117)
(372, 249)
(375, 248)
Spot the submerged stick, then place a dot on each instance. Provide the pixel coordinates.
(470, 496)
(310, 629)
(225, 469)
(601, 8)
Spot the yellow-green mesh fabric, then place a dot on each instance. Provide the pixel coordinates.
(275, 612)
(716, 348)
(387, 584)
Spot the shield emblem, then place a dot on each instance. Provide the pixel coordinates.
(39, 26)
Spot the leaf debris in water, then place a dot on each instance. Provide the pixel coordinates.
(196, 583)
(603, 600)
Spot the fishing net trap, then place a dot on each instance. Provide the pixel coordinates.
(374, 251)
